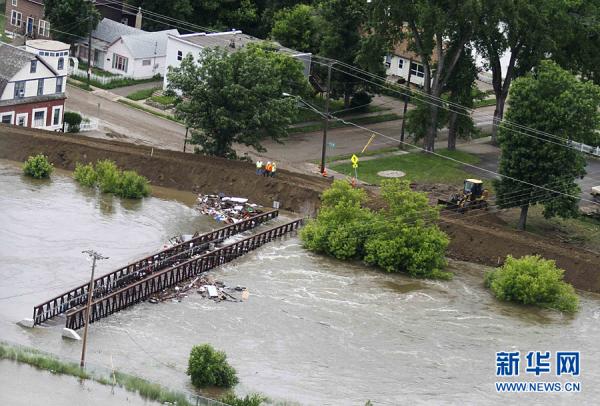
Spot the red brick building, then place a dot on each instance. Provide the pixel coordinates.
(26, 17)
(32, 90)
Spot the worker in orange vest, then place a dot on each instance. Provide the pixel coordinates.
(268, 168)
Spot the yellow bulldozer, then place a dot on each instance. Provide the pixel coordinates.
(473, 196)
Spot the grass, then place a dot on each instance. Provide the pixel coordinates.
(147, 110)
(116, 83)
(83, 86)
(419, 167)
(344, 157)
(142, 94)
(96, 71)
(147, 390)
(3, 36)
(164, 100)
(485, 103)
(337, 124)
(582, 231)
(306, 115)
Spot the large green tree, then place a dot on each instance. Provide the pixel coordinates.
(297, 28)
(523, 30)
(539, 167)
(176, 9)
(70, 19)
(437, 31)
(238, 97)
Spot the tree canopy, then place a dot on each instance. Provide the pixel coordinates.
(297, 28)
(558, 107)
(70, 19)
(237, 97)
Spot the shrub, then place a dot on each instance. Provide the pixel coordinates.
(209, 367)
(361, 99)
(132, 185)
(108, 176)
(532, 280)
(85, 174)
(38, 167)
(73, 120)
(253, 399)
(399, 238)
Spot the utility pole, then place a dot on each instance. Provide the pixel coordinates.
(405, 103)
(89, 72)
(326, 118)
(95, 256)
(185, 139)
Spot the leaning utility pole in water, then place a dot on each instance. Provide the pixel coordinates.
(95, 256)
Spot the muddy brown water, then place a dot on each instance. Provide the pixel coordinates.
(314, 331)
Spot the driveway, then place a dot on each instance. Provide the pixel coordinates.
(118, 121)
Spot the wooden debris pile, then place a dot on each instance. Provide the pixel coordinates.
(229, 210)
(206, 286)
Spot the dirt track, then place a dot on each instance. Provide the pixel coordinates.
(479, 239)
(177, 170)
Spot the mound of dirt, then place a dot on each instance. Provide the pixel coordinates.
(177, 170)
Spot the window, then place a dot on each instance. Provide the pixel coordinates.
(44, 28)
(119, 62)
(146, 62)
(61, 63)
(417, 69)
(179, 55)
(40, 90)
(22, 120)
(96, 56)
(56, 116)
(388, 61)
(39, 118)
(400, 63)
(16, 18)
(33, 67)
(19, 89)
(59, 83)
(14, 3)
(7, 118)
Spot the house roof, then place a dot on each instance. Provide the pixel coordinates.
(147, 44)
(12, 60)
(230, 41)
(109, 31)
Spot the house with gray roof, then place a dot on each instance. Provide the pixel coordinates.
(32, 91)
(127, 51)
(178, 46)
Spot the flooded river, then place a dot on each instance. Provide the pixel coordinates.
(314, 331)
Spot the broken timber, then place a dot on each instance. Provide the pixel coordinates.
(106, 284)
(142, 290)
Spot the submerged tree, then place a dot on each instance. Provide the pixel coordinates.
(238, 97)
(539, 167)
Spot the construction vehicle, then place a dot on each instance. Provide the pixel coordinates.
(473, 196)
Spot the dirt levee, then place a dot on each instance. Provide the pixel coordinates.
(178, 170)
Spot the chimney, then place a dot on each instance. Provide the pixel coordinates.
(138, 19)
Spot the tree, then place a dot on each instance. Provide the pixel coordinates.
(525, 30)
(209, 367)
(238, 97)
(559, 108)
(70, 19)
(177, 9)
(460, 94)
(437, 31)
(297, 28)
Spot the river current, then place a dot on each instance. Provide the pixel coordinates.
(314, 331)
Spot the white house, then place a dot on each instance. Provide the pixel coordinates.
(127, 51)
(178, 46)
(32, 89)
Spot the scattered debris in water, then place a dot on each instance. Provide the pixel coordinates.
(204, 285)
(229, 210)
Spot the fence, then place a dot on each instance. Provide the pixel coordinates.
(87, 124)
(584, 148)
(98, 78)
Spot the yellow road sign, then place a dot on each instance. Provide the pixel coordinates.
(355, 166)
(354, 159)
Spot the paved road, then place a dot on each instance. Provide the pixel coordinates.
(120, 121)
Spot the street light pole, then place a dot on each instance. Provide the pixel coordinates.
(89, 72)
(405, 103)
(95, 256)
(326, 118)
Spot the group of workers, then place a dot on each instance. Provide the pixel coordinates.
(267, 169)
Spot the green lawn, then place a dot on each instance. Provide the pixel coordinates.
(164, 100)
(142, 94)
(418, 166)
(336, 124)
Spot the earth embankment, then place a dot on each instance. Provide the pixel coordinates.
(177, 170)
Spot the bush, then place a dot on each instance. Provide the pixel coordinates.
(209, 367)
(253, 399)
(38, 167)
(361, 99)
(85, 174)
(109, 178)
(400, 238)
(73, 120)
(532, 280)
